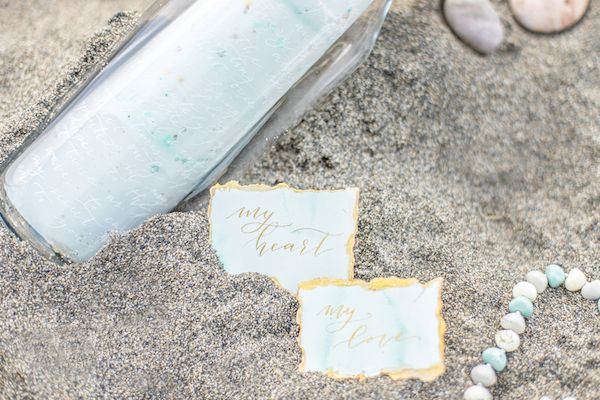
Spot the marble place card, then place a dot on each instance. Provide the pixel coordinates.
(357, 329)
(288, 234)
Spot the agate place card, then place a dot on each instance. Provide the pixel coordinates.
(357, 329)
(288, 234)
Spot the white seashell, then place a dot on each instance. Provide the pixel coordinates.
(483, 374)
(525, 289)
(477, 392)
(575, 280)
(538, 279)
(507, 340)
(514, 322)
(591, 290)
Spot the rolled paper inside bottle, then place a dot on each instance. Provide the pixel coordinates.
(165, 112)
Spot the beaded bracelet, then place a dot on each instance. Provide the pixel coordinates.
(521, 307)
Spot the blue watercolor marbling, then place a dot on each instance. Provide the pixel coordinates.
(350, 330)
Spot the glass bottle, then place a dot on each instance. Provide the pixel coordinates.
(196, 92)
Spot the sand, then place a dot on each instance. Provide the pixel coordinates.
(470, 168)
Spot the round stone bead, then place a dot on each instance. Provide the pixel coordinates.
(575, 280)
(545, 398)
(483, 374)
(555, 274)
(514, 321)
(507, 340)
(525, 289)
(591, 290)
(538, 279)
(522, 305)
(495, 357)
(477, 392)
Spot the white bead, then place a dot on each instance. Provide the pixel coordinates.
(507, 340)
(477, 392)
(570, 398)
(591, 290)
(525, 289)
(575, 280)
(514, 321)
(538, 279)
(483, 374)
(545, 398)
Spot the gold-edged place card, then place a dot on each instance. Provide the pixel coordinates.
(358, 329)
(288, 234)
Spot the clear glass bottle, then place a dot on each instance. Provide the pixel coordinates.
(196, 92)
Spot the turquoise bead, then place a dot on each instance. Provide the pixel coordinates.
(555, 274)
(521, 304)
(495, 357)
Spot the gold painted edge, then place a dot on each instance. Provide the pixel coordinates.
(424, 374)
(352, 238)
(260, 187)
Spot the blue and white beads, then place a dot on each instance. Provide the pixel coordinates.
(525, 289)
(513, 324)
(537, 279)
(522, 305)
(555, 274)
(484, 374)
(575, 281)
(591, 290)
(514, 321)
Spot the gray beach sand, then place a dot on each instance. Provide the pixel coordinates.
(470, 168)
